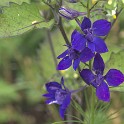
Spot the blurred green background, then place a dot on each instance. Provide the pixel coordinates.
(26, 64)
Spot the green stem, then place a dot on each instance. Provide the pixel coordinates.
(60, 25)
(92, 106)
(90, 67)
(92, 98)
(88, 8)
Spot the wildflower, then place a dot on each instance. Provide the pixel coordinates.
(91, 35)
(70, 13)
(72, 55)
(95, 77)
(59, 94)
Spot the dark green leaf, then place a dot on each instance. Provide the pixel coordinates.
(18, 19)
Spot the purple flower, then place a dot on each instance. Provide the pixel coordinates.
(91, 35)
(95, 77)
(73, 56)
(59, 94)
(73, 1)
(70, 13)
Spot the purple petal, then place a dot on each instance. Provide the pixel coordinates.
(114, 77)
(65, 63)
(73, 35)
(65, 104)
(86, 55)
(98, 64)
(63, 54)
(48, 95)
(91, 46)
(87, 76)
(62, 112)
(100, 46)
(102, 92)
(51, 101)
(101, 27)
(78, 41)
(86, 23)
(66, 101)
(76, 63)
(53, 86)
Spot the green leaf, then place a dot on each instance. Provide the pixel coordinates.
(116, 61)
(119, 88)
(6, 2)
(17, 19)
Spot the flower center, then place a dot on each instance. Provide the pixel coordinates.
(60, 96)
(73, 54)
(98, 79)
(88, 34)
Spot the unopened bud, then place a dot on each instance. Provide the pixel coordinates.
(70, 13)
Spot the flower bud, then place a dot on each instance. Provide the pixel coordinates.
(70, 13)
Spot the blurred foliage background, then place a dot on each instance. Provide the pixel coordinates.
(26, 64)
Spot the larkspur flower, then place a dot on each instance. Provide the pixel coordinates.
(71, 55)
(59, 94)
(91, 35)
(70, 13)
(72, 1)
(95, 78)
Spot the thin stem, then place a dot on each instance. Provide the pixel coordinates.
(88, 8)
(94, 5)
(78, 22)
(78, 90)
(51, 47)
(90, 67)
(83, 4)
(60, 25)
(93, 98)
(92, 106)
(48, 5)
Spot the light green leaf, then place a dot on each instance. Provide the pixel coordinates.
(17, 19)
(119, 88)
(6, 2)
(116, 61)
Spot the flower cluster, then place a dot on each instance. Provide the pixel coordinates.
(85, 45)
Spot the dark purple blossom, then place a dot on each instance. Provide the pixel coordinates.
(70, 13)
(91, 35)
(95, 77)
(59, 94)
(72, 56)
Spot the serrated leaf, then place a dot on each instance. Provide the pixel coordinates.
(116, 61)
(6, 2)
(17, 19)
